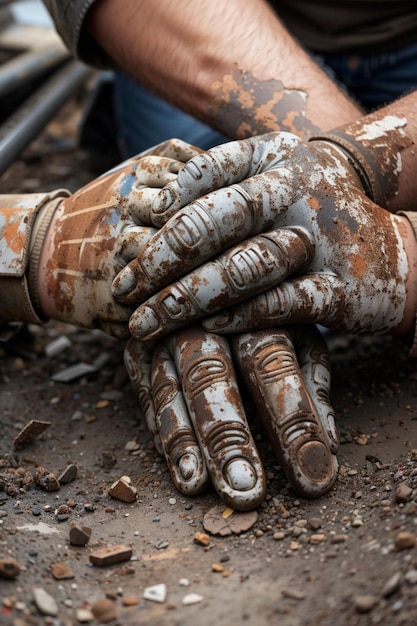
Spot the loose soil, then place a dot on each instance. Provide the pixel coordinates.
(346, 559)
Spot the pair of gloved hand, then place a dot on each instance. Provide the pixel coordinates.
(323, 252)
(186, 384)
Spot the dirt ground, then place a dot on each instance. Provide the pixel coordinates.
(346, 559)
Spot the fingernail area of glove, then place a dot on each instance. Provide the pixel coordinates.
(190, 474)
(124, 283)
(144, 323)
(243, 488)
(317, 469)
(163, 202)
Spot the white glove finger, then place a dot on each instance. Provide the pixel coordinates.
(313, 359)
(156, 171)
(202, 230)
(215, 408)
(137, 358)
(133, 241)
(311, 299)
(181, 449)
(174, 149)
(270, 368)
(219, 167)
(255, 265)
(140, 204)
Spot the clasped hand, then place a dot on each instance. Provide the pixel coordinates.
(292, 237)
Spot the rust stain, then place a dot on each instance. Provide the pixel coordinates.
(15, 240)
(358, 265)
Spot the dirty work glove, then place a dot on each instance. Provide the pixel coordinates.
(61, 252)
(330, 253)
(187, 390)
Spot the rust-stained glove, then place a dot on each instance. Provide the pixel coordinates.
(330, 254)
(60, 252)
(187, 389)
(96, 231)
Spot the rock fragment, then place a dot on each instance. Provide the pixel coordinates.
(79, 535)
(122, 490)
(45, 479)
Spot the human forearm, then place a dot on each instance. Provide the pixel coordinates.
(242, 75)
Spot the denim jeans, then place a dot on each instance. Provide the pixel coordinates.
(373, 80)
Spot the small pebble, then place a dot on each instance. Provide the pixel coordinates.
(84, 616)
(392, 584)
(191, 598)
(294, 594)
(9, 568)
(405, 540)
(314, 523)
(60, 571)
(44, 602)
(365, 603)
(104, 610)
(202, 539)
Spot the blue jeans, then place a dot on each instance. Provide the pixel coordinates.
(373, 80)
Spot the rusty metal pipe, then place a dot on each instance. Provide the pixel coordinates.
(24, 125)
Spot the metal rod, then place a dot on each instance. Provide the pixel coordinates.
(29, 65)
(30, 118)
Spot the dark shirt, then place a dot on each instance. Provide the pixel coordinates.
(357, 26)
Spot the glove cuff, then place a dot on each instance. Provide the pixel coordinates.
(373, 147)
(24, 220)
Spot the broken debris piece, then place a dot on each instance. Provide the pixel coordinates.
(156, 593)
(216, 523)
(110, 555)
(32, 430)
(73, 372)
(57, 345)
(68, 474)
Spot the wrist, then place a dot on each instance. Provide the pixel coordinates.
(20, 215)
(373, 146)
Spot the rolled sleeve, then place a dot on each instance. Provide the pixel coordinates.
(69, 18)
